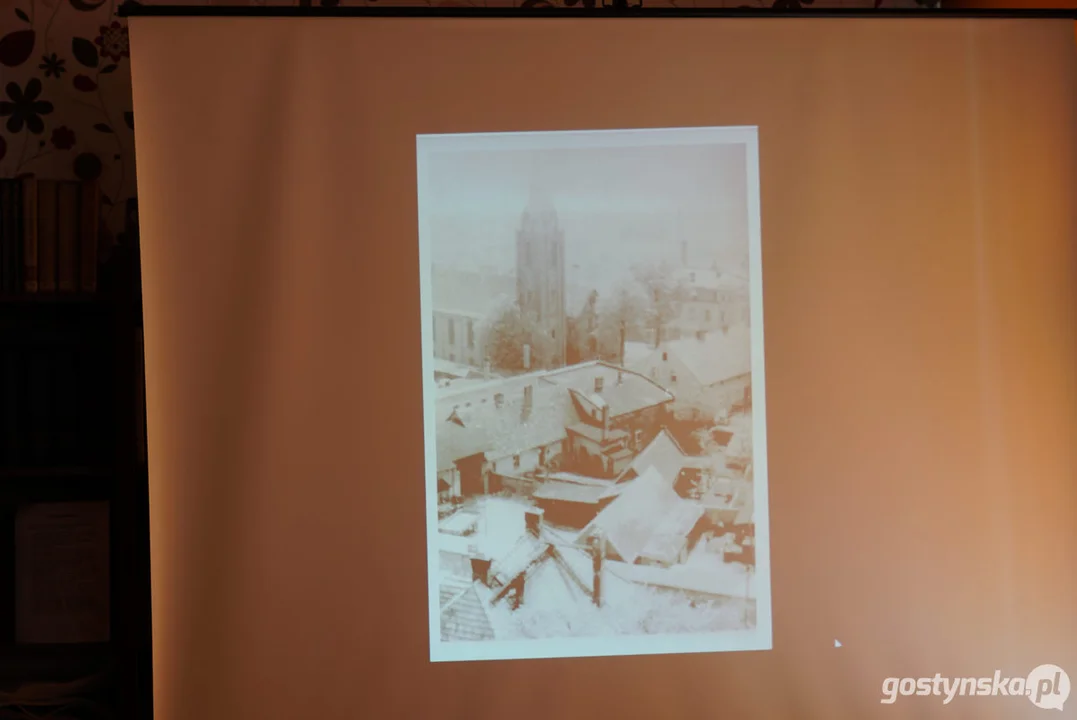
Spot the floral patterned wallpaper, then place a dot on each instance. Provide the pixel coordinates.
(65, 107)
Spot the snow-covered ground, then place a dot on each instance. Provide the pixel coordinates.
(705, 594)
(628, 609)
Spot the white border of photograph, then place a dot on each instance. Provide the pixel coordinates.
(759, 638)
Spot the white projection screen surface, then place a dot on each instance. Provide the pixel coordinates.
(670, 367)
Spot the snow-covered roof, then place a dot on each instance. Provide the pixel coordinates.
(740, 445)
(578, 479)
(746, 510)
(459, 523)
(712, 578)
(717, 356)
(637, 353)
(498, 524)
(623, 391)
(647, 519)
(665, 455)
(463, 613)
(562, 491)
(525, 552)
(712, 279)
(477, 423)
(594, 434)
(493, 417)
(470, 293)
(455, 370)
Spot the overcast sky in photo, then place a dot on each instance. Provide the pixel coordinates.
(619, 206)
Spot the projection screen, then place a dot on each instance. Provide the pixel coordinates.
(670, 365)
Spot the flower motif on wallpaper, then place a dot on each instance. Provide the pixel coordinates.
(89, 54)
(52, 65)
(63, 138)
(55, 118)
(24, 108)
(114, 42)
(16, 47)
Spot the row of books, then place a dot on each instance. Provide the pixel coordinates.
(48, 236)
(62, 573)
(55, 409)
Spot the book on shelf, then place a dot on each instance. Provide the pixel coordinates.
(11, 386)
(67, 237)
(11, 211)
(62, 573)
(29, 236)
(56, 405)
(49, 234)
(47, 240)
(89, 235)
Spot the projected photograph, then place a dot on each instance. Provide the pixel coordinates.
(593, 385)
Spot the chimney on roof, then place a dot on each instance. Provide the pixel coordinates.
(620, 377)
(529, 392)
(516, 592)
(533, 522)
(598, 551)
(480, 569)
(701, 334)
(598, 384)
(621, 348)
(605, 421)
(527, 356)
(499, 399)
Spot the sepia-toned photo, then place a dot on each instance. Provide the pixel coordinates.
(593, 393)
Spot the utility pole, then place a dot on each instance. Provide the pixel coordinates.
(747, 592)
(598, 550)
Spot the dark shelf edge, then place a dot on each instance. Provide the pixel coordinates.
(23, 486)
(19, 662)
(129, 9)
(56, 473)
(32, 299)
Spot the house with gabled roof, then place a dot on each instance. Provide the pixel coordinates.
(666, 456)
(571, 500)
(463, 614)
(498, 556)
(710, 299)
(592, 414)
(710, 374)
(521, 578)
(648, 522)
(465, 302)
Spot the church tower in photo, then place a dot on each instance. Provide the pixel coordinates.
(540, 277)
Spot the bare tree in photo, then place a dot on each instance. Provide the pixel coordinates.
(619, 320)
(663, 294)
(515, 342)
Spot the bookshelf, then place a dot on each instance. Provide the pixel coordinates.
(74, 531)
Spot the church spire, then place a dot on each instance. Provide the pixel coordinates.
(538, 198)
(539, 201)
(540, 265)
(679, 236)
